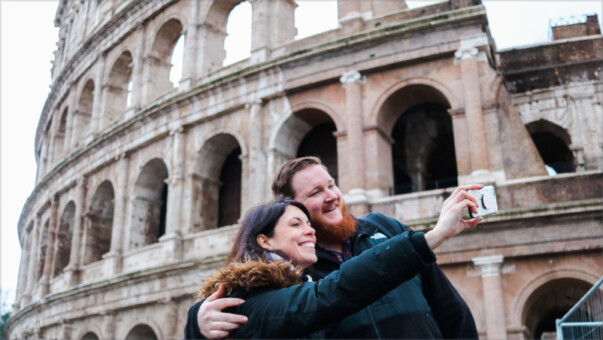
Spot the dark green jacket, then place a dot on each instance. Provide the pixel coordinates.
(427, 306)
(305, 309)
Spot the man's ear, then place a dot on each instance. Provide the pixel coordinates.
(263, 241)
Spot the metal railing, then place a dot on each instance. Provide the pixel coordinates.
(584, 321)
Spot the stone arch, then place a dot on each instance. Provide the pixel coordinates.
(149, 204)
(553, 143)
(89, 336)
(143, 331)
(415, 116)
(118, 89)
(99, 223)
(42, 248)
(159, 58)
(377, 116)
(83, 113)
(295, 130)
(218, 200)
(64, 238)
(214, 33)
(237, 43)
(541, 285)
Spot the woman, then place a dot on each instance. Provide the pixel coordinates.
(277, 301)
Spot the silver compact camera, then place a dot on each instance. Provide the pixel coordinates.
(486, 201)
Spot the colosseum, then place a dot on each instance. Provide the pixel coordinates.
(141, 182)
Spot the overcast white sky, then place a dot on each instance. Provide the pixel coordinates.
(28, 39)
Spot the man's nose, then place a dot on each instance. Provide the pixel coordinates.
(331, 194)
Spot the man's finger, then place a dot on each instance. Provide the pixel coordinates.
(225, 303)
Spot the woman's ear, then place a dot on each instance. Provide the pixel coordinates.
(263, 241)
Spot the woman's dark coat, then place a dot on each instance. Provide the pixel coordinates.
(278, 306)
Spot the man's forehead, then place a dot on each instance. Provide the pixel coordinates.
(309, 178)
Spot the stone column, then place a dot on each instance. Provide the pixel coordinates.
(109, 324)
(257, 158)
(353, 82)
(489, 267)
(210, 51)
(73, 268)
(189, 59)
(97, 102)
(114, 256)
(172, 239)
(273, 23)
(137, 85)
(467, 57)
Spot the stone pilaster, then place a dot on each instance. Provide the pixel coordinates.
(33, 258)
(189, 58)
(137, 70)
(467, 58)
(272, 24)
(172, 240)
(114, 260)
(489, 268)
(97, 102)
(258, 176)
(353, 83)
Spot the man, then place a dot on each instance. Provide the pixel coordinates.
(426, 306)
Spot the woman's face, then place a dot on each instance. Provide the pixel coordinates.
(293, 236)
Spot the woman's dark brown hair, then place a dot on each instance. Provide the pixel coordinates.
(259, 220)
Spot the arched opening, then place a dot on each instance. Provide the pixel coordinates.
(237, 43)
(149, 204)
(423, 153)
(214, 34)
(59, 138)
(43, 248)
(552, 142)
(305, 17)
(141, 332)
(118, 89)
(550, 302)
(230, 189)
(177, 61)
(99, 223)
(83, 113)
(90, 336)
(308, 132)
(64, 238)
(218, 178)
(161, 55)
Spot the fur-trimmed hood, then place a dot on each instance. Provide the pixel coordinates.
(251, 275)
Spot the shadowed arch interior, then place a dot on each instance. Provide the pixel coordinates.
(64, 238)
(553, 144)
(423, 152)
(217, 183)
(83, 113)
(99, 223)
(149, 204)
(141, 332)
(550, 302)
(118, 89)
(161, 55)
(90, 336)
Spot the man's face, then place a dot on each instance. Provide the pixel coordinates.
(316, 189)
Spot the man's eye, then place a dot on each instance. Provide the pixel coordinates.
(314, 193)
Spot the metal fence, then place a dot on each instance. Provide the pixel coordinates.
(585, 320)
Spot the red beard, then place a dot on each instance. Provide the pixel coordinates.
(339, 233)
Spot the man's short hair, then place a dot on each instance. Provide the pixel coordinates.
(281, 185)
